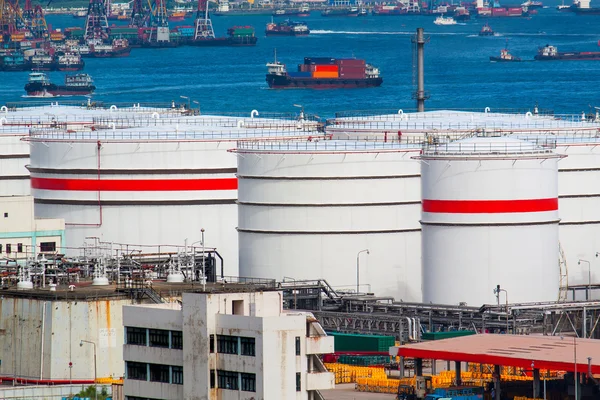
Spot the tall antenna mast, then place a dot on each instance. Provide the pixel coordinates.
(419, 52)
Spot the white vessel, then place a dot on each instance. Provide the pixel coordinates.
(441, 20)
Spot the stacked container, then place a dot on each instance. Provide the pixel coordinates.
(351, 68)
(324, 67)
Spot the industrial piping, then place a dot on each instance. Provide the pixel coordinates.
(420, 40)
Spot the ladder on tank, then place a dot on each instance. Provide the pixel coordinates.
(563, 275)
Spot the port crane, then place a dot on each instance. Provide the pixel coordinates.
(203, 23)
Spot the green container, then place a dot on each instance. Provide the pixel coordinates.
(358, 342)
(445, 335)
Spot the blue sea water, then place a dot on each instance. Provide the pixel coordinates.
(458, 73)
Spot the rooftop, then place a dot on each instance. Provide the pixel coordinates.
(546, 352)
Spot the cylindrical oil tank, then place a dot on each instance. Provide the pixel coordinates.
(307, 210)
(137, 187)
(489, 218)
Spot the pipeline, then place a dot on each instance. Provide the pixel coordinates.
(47, 381)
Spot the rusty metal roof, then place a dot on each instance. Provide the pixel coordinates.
(546, 352)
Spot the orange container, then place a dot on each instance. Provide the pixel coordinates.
(325, 74)
(326, 68)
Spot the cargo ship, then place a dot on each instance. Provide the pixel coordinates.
(324, 73)
(14, 62)
(97, 49)
(302, 11)
(341, 12)
(496, 12)
(42, 61)
(75, 85)
(70, 62)
(549, 53)
(287, 28)
(236, 36)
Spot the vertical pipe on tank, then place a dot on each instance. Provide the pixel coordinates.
(420, 70)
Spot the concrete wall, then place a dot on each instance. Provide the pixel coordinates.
(45, 392)
(39, 338)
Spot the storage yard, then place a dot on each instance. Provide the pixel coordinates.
(400, 226)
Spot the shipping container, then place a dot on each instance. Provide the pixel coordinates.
(324, 74)
(352, 75)
(357, 342)
(350, 62)
(326, 68)
(300, 74)
(319, 60)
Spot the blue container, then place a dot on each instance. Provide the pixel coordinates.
(300, 74)
(319, 60)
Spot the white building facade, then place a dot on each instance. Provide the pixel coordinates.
(21, 235)
(224, 346)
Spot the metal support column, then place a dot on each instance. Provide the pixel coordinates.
(457, 370)
(401, 367)
(420, 70)
(433, 367)
(497, 382)
(418, 367)
(536, 383)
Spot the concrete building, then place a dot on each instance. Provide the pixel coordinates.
(21, 235)
(224, 346)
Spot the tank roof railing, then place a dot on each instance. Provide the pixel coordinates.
(458, 125)
(220, 121)
(433, 148)
(48, 135)
(389, 112)
(327, 146)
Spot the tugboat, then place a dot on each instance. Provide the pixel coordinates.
(505, 56)
(551, 53)
(324, 73)
(287, 28)
(75, 85)
(70, 62)
(486, 30)
(441, 20)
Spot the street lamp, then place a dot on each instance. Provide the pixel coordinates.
(358, 268)
(497, 291)
(587, 293)
(188, 100)
(287, 277)
(203, 267)
(95, 366)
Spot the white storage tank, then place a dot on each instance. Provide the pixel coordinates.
(489, 217)
(308, 209)
(143, 186)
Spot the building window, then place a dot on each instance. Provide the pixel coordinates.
(176, 340)
(298, 382)
(248, 346)
(8, 249)
(237, 307)
(212, 378)
(211, 339)
(297, 345)
(227, 380)
(227, 344)
(159, 373)
(248, 382)
(47, 246)
(5, 215)
(137, 371)
(19, 247)
(0, 248)
(159, 338)
(177, 375)
(135, 336)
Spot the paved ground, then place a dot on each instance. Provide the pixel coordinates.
(346, 391)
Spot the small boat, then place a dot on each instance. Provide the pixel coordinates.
(486, 30)
(80, 14)
(75, 85)
(441, 20)
(549, 52)
(505, 56)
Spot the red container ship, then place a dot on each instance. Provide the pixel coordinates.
(324, 73)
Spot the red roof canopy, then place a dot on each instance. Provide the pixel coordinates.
(546, 352)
